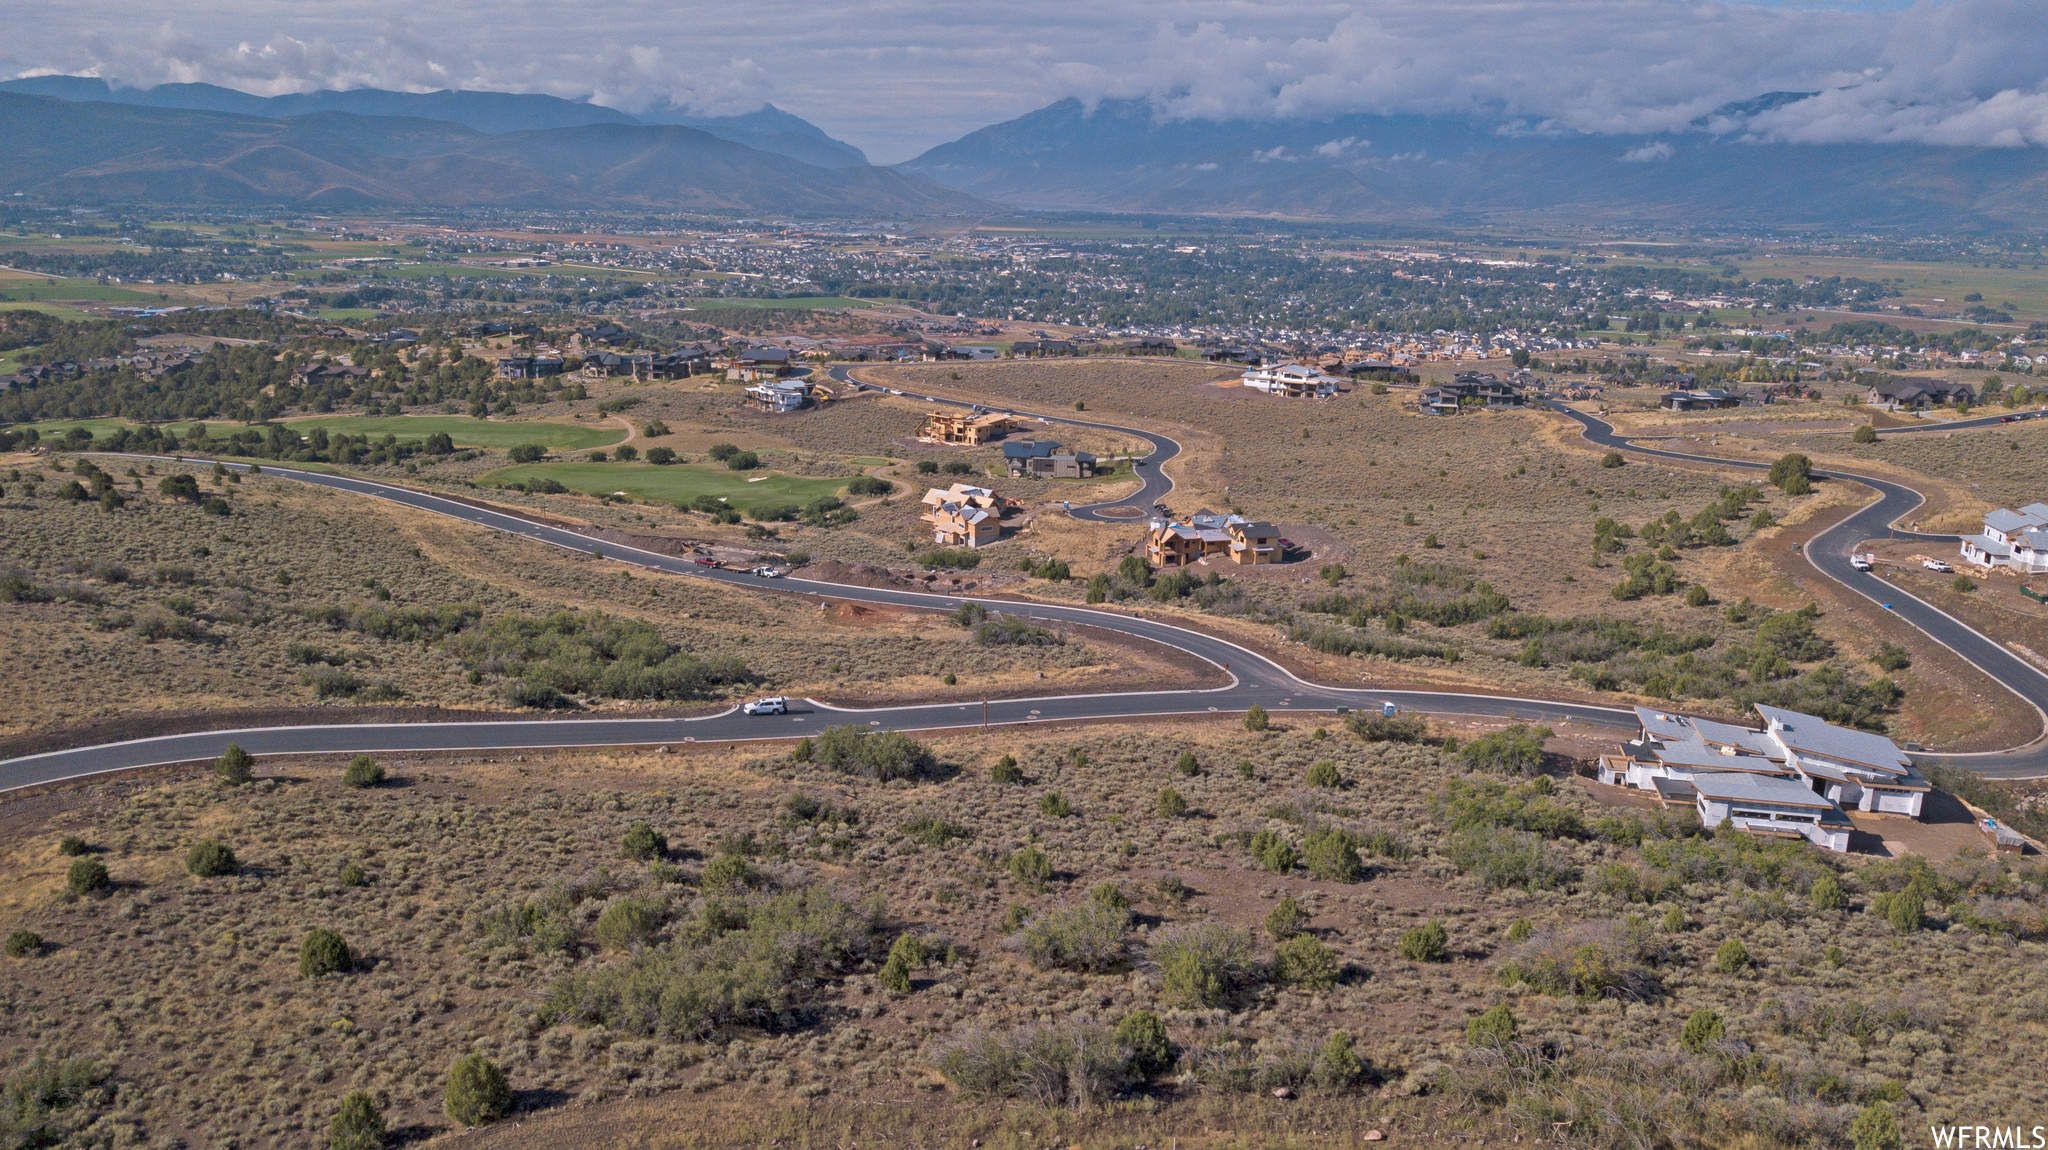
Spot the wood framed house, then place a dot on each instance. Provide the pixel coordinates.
(964, 515)
(1208, 534)
(964, 428)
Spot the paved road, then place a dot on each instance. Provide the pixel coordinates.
(1829, 552)
(1254, 679)
(1151, 468)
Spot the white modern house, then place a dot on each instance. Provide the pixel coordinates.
(2015, 539)
(1293, 380)
(1794, 776)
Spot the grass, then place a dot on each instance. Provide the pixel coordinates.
(266, 1060)
(45, 288)
(675, 483)
(468, 431)
(56, 309)
(793, 303)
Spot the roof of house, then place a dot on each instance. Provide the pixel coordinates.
(1808, 735)
(1670, 788)
(1742, 787)
(1989, 546)
(1029, 448)
(2008, 521)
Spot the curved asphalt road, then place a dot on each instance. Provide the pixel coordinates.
(1829, 551)
(1255, 679)
(1151, 468)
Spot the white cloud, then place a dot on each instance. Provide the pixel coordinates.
(899, 75)
(1647, 154)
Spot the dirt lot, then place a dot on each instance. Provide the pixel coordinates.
(187, 990)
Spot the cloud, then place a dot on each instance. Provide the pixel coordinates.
(899, 75)
(1648, 153)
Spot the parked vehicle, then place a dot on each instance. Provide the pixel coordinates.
(1935, 565)
(767, 572)
(707, 562)
(1861, 562)
(772, 705)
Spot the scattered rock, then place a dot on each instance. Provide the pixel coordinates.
(1282, 1092)
(1374, 1136)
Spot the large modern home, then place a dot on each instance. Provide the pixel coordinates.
(1043, 459)
(2015, 539)
(1793, 777)
(1207, 533)
(1293, 380)
(1470, 389)
(778, 396)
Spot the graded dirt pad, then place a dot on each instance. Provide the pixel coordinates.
(485, 881)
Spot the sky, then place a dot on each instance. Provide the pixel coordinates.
(898, 76)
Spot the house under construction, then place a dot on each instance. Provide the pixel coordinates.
(964, 429)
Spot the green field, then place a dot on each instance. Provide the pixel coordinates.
(20, 290)
(54, 309)
(676, 483)
(798, 303)
(342, 312)
(467, 431)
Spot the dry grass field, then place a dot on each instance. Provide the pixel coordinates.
(663, 1000)
(305, 597)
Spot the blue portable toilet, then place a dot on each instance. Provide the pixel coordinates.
(1387, 709)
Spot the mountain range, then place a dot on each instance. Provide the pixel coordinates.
(1121, 156)
(770, 129)
(115, 151)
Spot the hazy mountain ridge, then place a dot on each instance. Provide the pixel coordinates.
(1121, 157)
(105, 151)
(769, 129)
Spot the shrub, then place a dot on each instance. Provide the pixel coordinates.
(1503, 857)
(722, 451)
(869, 485)
(1876, 1128)
(1141, 1033)
(1520, 930)
(477, 1092)
(1826, 894)
(1612, 459)
(1380, 728)
(1255, 718)
(1049, 1065)
(626, 924)
(1675, 921)
(905, 955)
(527, 453)
(1273, 852)
(878, 755)
(1731, 957)
(1201, 963)
(1495, 1028)
(324, 952)
(1006, 771)
(1031, 868)
(626, 452)
(1903, 909)
(1790, 467)
(86, 876)
(1697, 596)
(353, 875)
(1331, 853)
(727, 872)
(363, 771)
(234, 767)
(1864, 434)
(72, 845)
(1324, 774)
(643, 842)
(743, 461)
(1964, 584)
(210, 858)
(1091, 936)
(357, 1125)
(1337, 1064)
(1305, 962)
(1286, 919)
(1054, 805)
(1171, 804)
(1515, 750)
(1426, 943)
(1702, 1031)
(23, 943)
(661, 456)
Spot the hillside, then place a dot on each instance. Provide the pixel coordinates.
(769, 129)
(96, 151)
(1419, 168)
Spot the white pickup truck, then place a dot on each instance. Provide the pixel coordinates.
(1861, 562)
(1936, 565)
